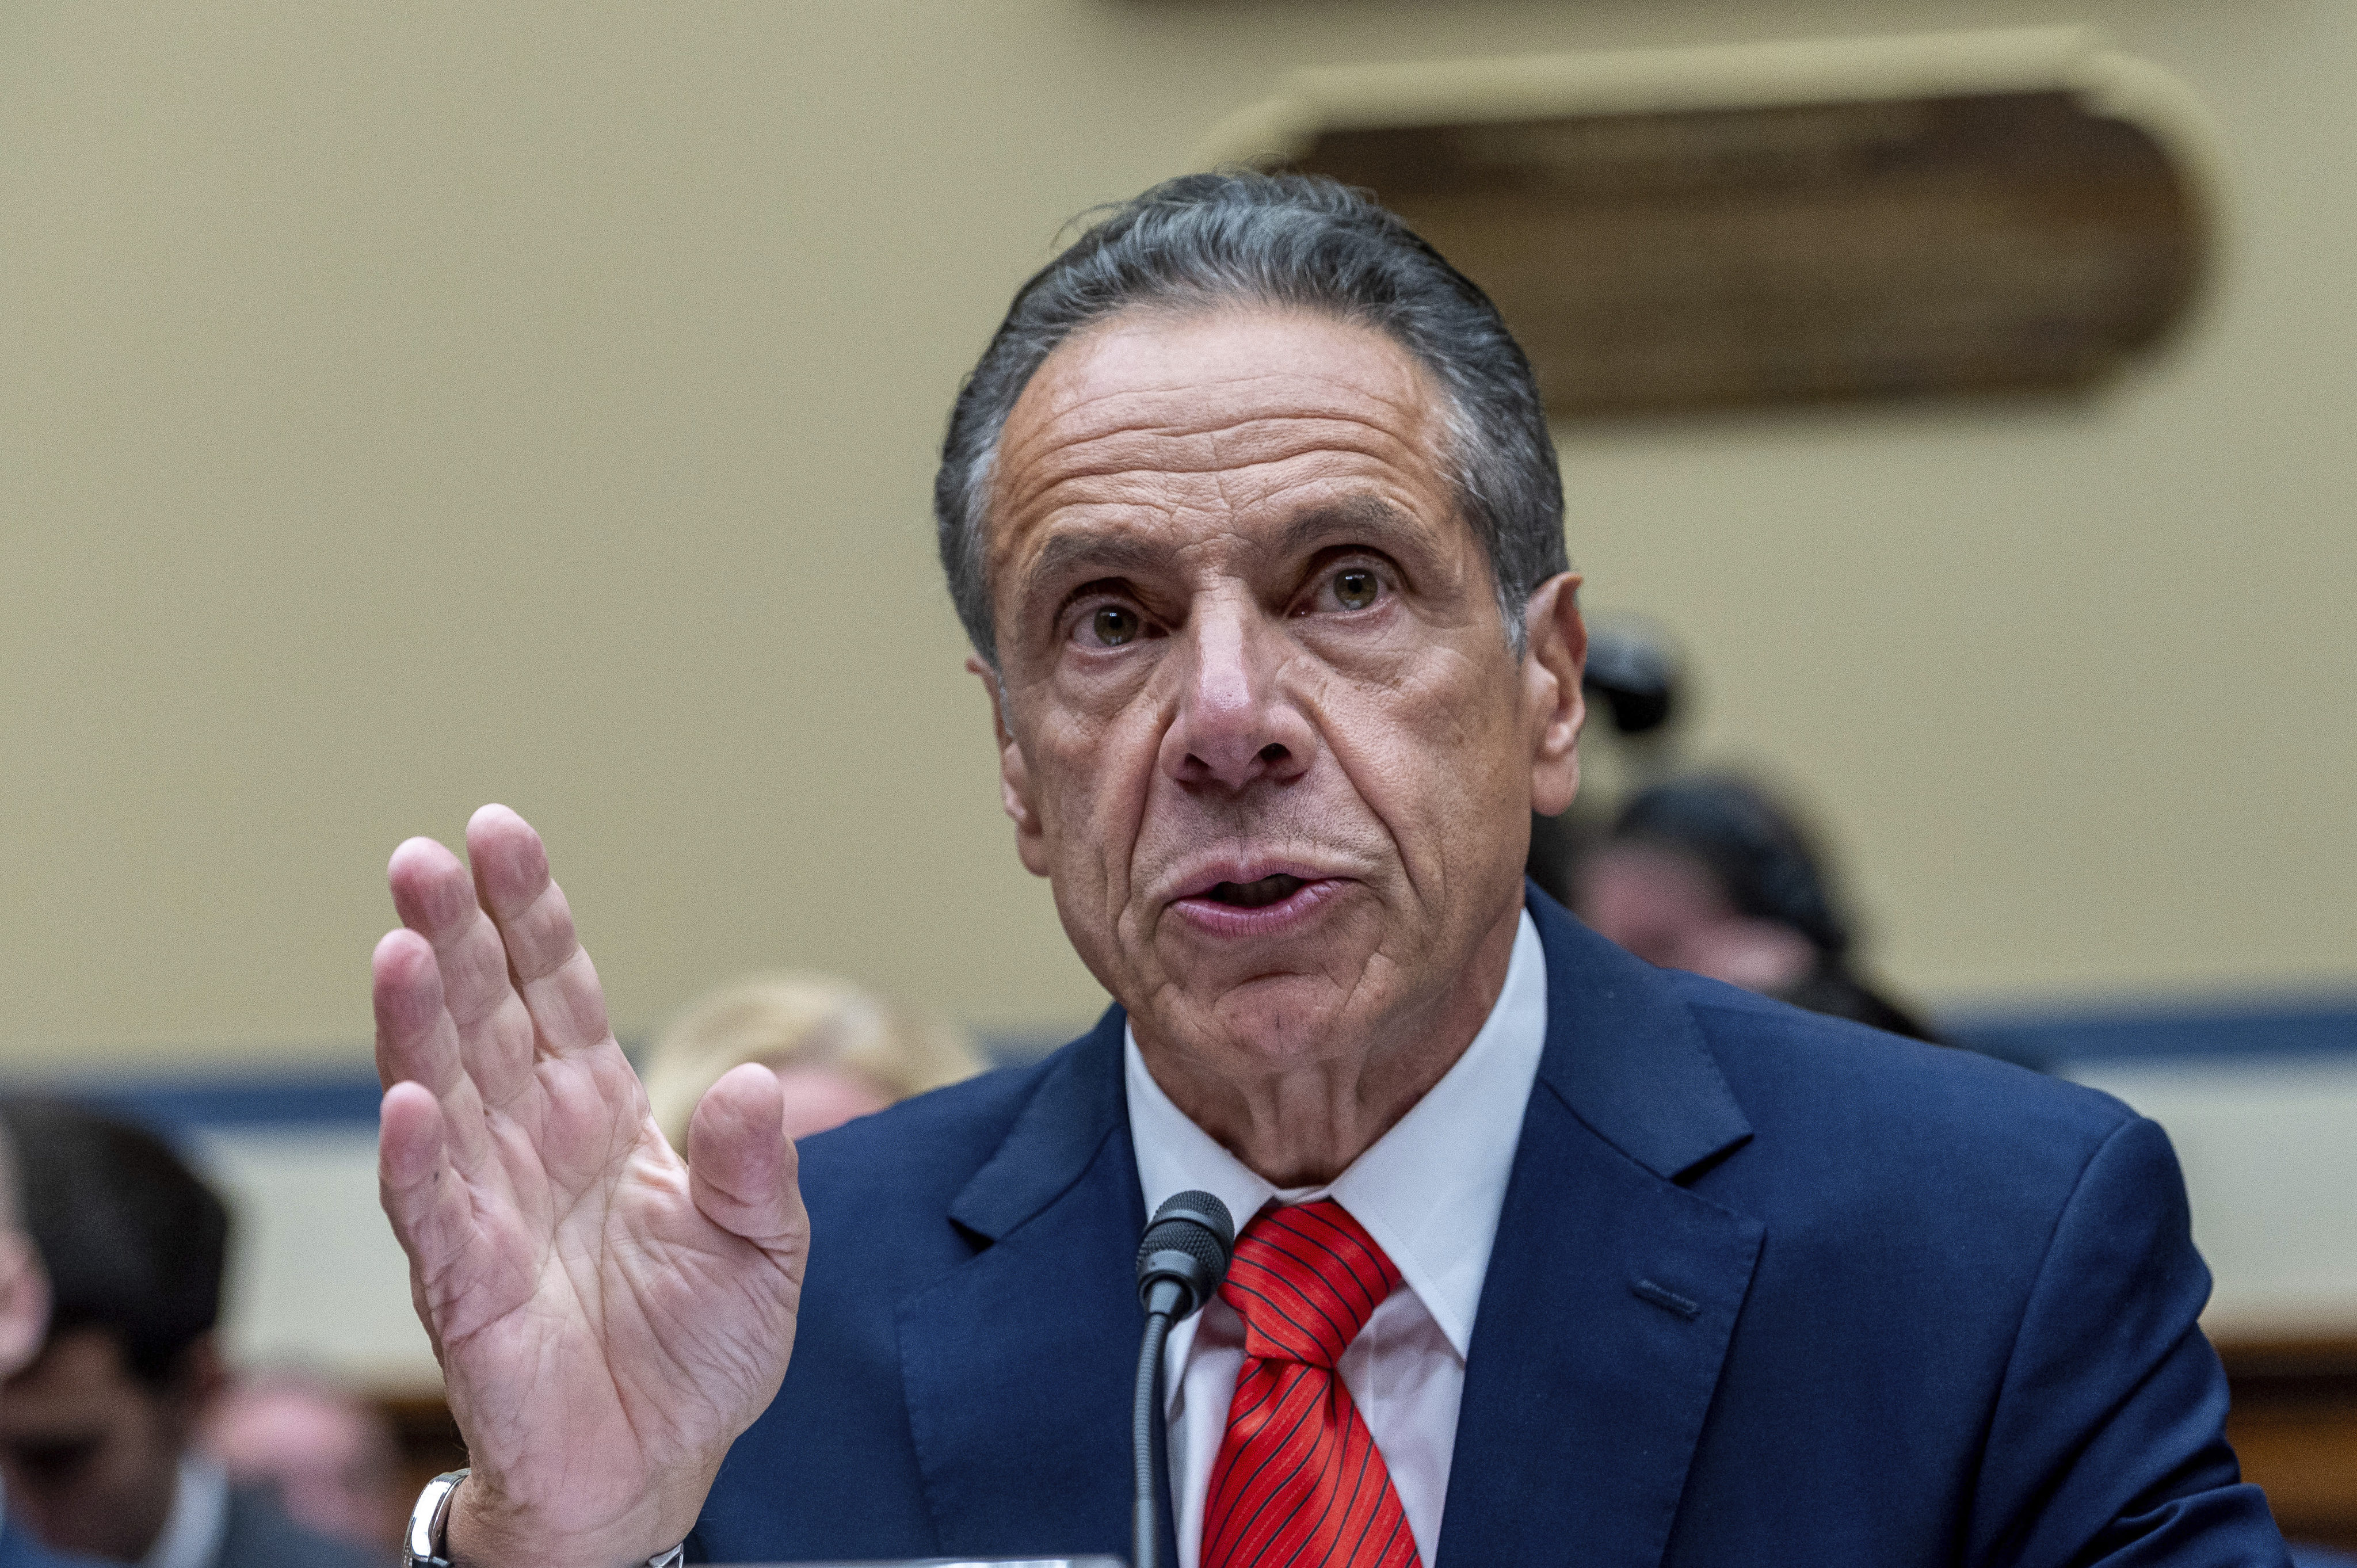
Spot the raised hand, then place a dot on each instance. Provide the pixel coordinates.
(608, 1318)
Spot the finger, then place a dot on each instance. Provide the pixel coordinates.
(436, 899)
(742, 1164)
(417, 1041)
(544, 953)
(421, 1193)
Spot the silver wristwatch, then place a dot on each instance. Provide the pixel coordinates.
(426, 1543)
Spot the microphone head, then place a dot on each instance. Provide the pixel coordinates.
(1184, 1255)
(1633, 668)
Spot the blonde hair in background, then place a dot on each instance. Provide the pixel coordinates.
(788, 1020)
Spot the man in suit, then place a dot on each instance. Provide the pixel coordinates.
(1252, 514)
(330, 1456)
(23, 1319)
(95, 1432)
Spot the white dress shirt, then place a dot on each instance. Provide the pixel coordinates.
(1428, 1191)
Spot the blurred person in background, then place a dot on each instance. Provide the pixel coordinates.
(1708, 873)
(838, 1052)
(24, 1319)
(95, 1434)
(327, 1455)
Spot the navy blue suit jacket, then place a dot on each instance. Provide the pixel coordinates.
(1768, 1288)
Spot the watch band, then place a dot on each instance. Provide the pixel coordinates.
(426, 1543)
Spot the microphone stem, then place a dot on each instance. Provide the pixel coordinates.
(1144, 1410)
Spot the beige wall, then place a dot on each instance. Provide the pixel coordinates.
(405, 406)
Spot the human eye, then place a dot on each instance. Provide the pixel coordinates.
(1113, 626)
(1350, 586)
(1106, 623)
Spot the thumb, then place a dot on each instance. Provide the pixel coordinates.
(740, 1163)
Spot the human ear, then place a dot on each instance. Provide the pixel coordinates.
(1555, 656)
(24, 1304)
(197, 1381)
(1013, 774)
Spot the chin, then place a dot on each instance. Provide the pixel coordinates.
(1281, 1020)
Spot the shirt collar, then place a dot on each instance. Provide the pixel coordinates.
(191, 1536)
(1430, 1190)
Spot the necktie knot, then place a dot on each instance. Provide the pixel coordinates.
(1304, 1278)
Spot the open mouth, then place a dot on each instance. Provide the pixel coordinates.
(1256, 894)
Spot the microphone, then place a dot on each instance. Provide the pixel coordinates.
(1632, 667)
(1180, 1261)
(1185, 1254)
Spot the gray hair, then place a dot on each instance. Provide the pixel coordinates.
(1292, 241)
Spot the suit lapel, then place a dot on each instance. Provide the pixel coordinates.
(1612, 1291)
(1018, 1364)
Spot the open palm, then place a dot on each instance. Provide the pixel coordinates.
(607, 1318)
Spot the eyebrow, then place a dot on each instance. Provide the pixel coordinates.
(1091, 554)
(1366, 519)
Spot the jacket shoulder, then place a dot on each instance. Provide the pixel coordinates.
(259, 1534)
(1782, 1060)
(1850, 1122)
(20, 1549)
(884, 1190)
(924, 1149)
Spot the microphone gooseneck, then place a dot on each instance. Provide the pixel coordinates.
(1145, 1535)
(1180, 1261)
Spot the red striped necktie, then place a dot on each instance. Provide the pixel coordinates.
(1299, 1482)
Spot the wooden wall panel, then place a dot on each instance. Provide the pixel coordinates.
(1718, 257)
(2294, 1426)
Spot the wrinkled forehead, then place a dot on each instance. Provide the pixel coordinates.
(1232, 414)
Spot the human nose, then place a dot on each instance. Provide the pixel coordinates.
(1235, 725)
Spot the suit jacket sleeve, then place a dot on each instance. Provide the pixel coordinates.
(2106, 1446)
